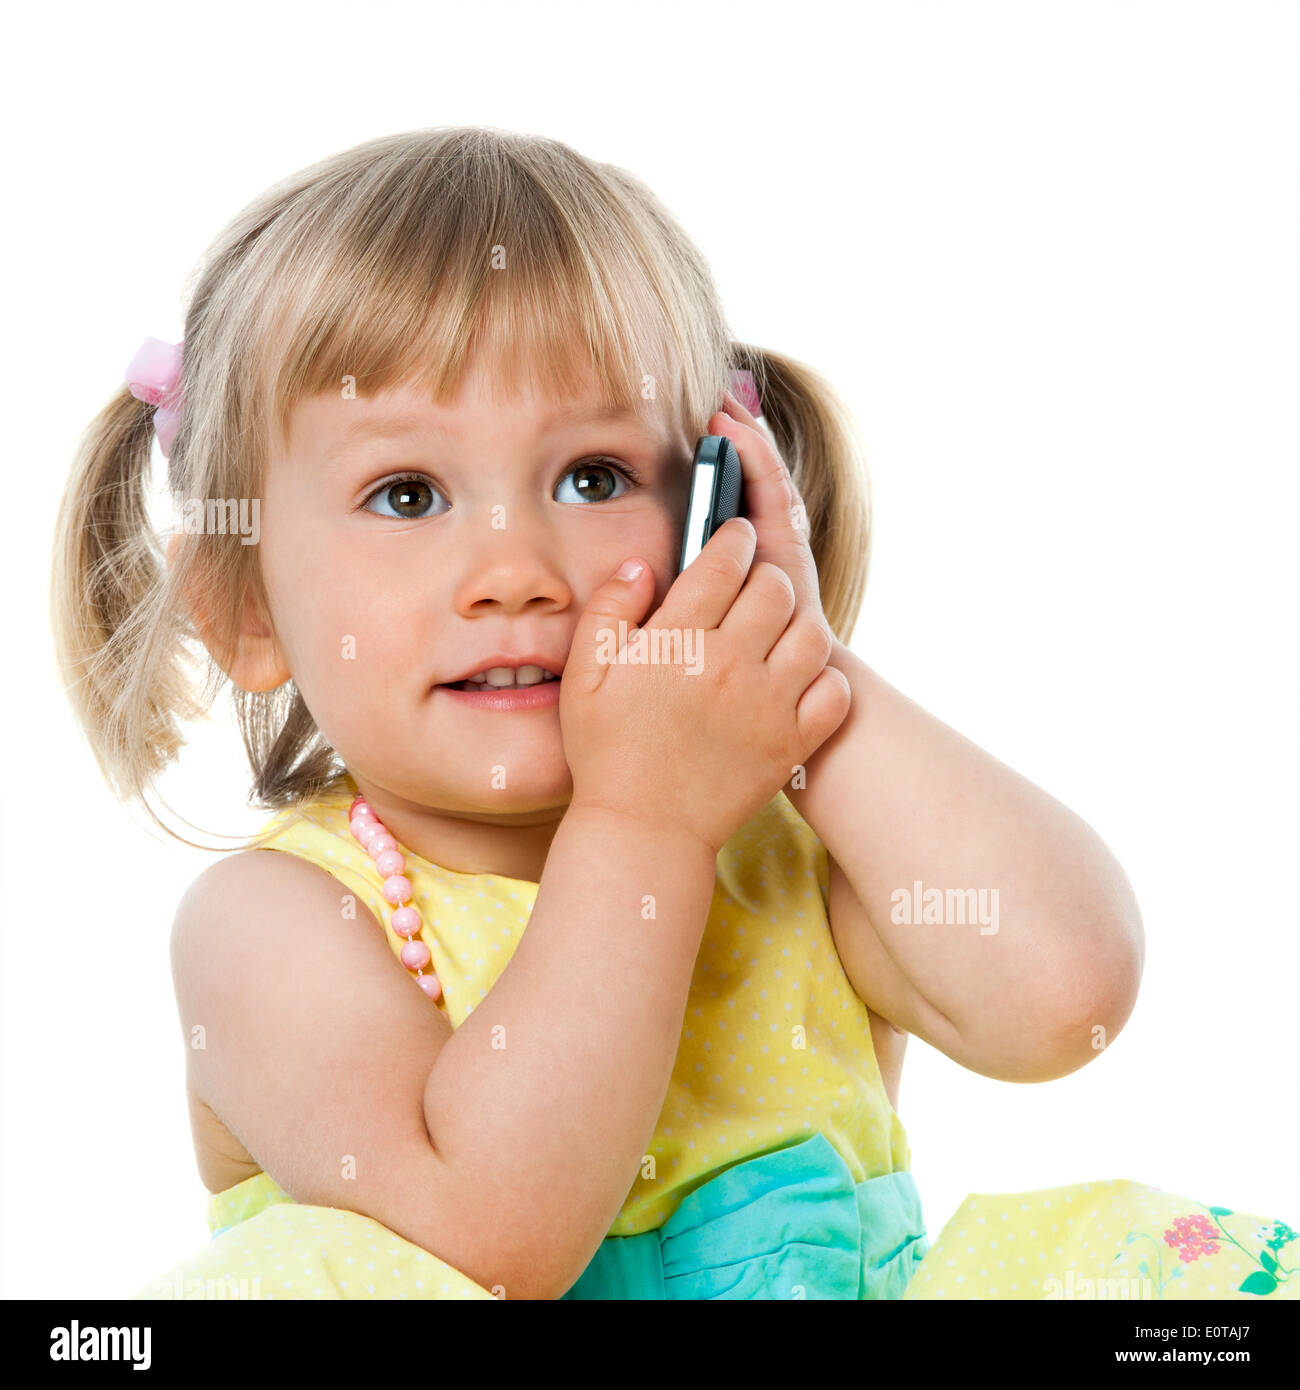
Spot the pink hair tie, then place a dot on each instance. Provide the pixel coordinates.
(154, 376)
(744, 390)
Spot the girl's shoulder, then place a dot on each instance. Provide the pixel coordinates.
(279, 996)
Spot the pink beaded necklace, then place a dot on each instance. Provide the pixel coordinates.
(374, 837)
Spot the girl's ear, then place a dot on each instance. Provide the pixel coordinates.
(256, 662)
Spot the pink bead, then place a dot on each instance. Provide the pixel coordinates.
(397, 889)
(370, 831)
(415, 955)
(365, 829)
(406, 921)
(390, 862)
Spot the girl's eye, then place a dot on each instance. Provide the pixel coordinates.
(408, 498)
(590, 482)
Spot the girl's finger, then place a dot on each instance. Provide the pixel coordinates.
(770, 497)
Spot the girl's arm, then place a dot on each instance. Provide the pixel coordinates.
(1044, 972)
(904, 804)
(543, 1102)
(506, 1147)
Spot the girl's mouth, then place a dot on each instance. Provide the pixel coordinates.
(502, 688)
(504, 678)
(480, 695)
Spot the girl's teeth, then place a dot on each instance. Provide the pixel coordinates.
(500, 676)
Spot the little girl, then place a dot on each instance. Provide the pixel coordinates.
(574, 976)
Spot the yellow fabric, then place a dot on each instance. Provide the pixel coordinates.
(740, 1086)
(1112, 1239)
(284, 1250)
(776, 1046)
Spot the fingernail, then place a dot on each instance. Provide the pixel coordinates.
(629, 569)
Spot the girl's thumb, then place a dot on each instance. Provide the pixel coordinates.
(612, 611)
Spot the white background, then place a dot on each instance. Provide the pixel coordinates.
(1048, 253)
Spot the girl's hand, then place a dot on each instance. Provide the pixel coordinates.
(735, 694)
(773, 504)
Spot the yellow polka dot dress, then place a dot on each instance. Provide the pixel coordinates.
(779, 1168)
(1110, 1239)
(776, 1049)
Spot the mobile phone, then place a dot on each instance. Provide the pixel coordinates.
(717, 493)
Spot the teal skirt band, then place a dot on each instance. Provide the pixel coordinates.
(791, 1223)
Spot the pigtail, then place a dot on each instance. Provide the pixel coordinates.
(818, 438)
(116, 640)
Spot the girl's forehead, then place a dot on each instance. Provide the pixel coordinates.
(330, 422)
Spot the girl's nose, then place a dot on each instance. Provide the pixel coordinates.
(512, 573)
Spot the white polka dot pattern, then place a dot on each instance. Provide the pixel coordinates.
(767, 978)
(1110, 1239)
(775, 1045)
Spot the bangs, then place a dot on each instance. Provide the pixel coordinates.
(407, 271)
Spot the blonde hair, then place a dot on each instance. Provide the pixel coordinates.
(384, 264)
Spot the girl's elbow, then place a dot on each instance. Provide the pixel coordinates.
(1100, 993)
